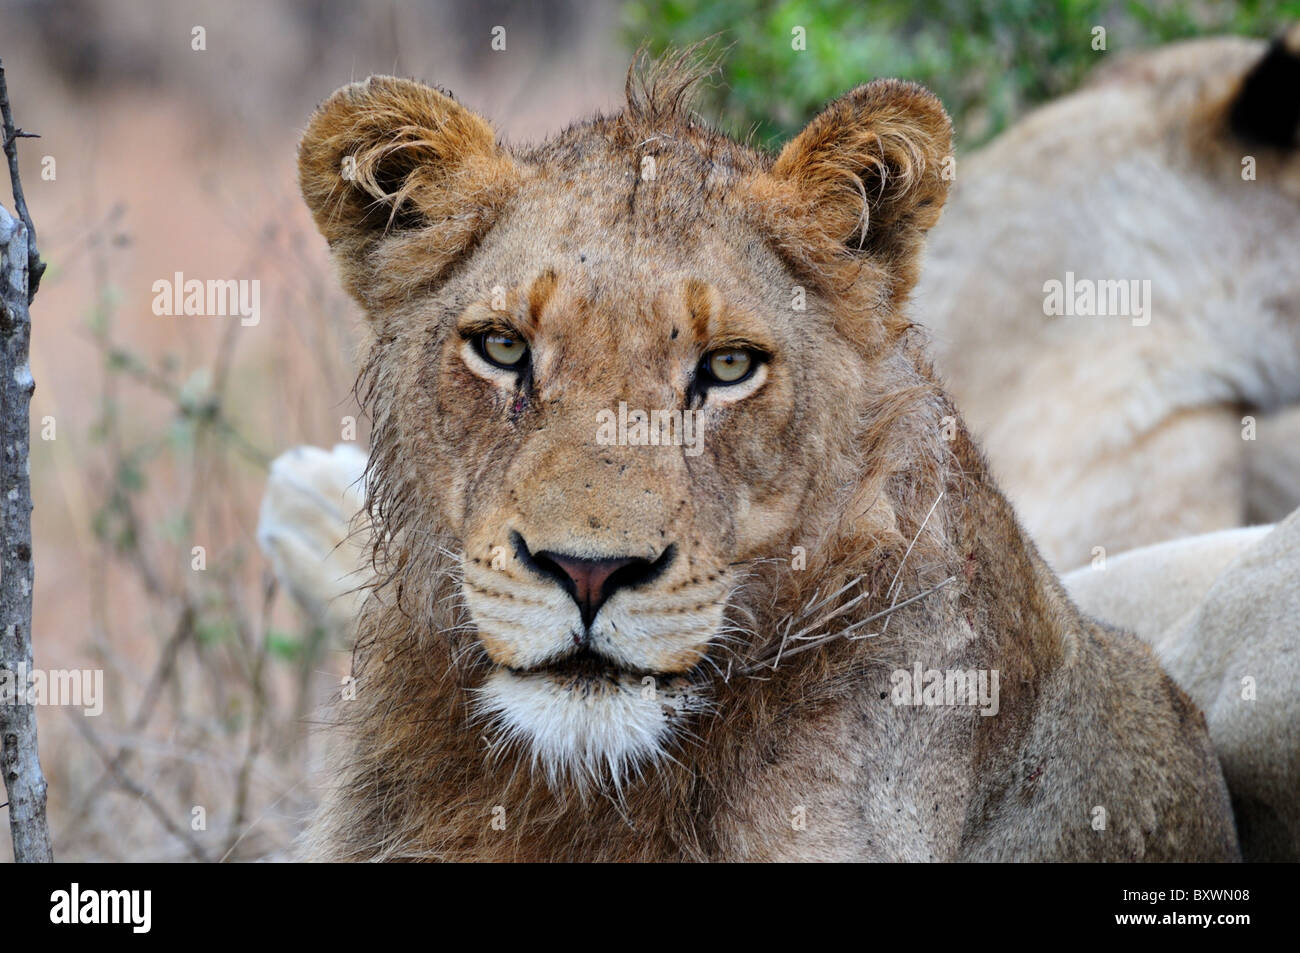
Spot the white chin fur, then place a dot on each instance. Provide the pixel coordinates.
(591, 732)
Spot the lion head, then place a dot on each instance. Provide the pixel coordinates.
(611, 376)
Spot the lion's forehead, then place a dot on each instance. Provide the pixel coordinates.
(626, 232)
(575, 275)
(607, 149)
(676, 196)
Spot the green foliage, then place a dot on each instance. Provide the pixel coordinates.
(214, 630)
(988, 60)
(284, 645)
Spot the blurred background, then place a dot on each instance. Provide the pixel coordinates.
(152, 434)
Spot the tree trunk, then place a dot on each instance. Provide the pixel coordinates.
(24, 782)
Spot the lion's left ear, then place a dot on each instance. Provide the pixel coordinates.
(868, 176)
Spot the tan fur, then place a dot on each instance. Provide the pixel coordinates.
(1105, 434)
(1220, 609)
(838, 455)
(1148, 590)
(311, 501)
(1273, 467)
(1238, 655)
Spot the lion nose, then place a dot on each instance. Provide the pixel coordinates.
(592, 581)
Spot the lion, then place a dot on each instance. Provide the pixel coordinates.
(1167, 190)
(1221, 611)
(681, 551)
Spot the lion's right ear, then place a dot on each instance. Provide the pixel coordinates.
(865, 179)
(390, 169)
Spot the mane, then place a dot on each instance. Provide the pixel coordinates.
(417, 776)
(662, 90)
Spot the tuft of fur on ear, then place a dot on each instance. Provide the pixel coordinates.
(863, 181)
(1267, 107)
(392, 168)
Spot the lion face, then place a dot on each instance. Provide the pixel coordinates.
(607, 385)
(615, 439)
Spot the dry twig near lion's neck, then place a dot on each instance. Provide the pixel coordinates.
(815, 605)
(846, 632)
(20, 272)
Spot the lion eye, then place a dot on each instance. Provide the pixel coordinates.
(503, 350)
(731, 365)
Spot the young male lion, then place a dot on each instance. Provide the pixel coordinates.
(794, 619)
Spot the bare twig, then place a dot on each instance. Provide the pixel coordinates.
(255, 649)
(20, 271)
(845, 632)
(35, 267)
(898, 574)
(158, 680)
(123, 781)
